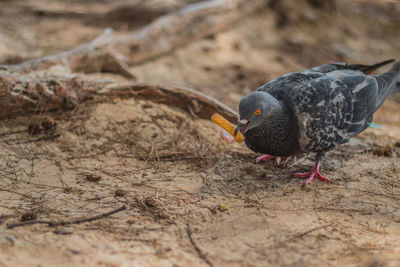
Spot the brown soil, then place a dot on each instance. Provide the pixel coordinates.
(170, 169)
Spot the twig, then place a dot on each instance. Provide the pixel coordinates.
(202, 255)
(150, 156)
(89, 219)
(303, 234)
(32, 167)
(60, 223)
(295, 162)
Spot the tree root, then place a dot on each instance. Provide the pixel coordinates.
(196, 103)
(23, 96)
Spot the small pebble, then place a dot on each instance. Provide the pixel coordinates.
(93, 177)
(28, 216)
(150, 202)
(48, 123)
(63, 231)
(120, 192)
(74, 251)
(223, 207)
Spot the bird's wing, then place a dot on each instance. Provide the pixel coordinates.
(369, 93)
(296, 79)
(320, 103)
(290, 81)
(360, 68)
(324, 110)
(364, 91)
(366, 69)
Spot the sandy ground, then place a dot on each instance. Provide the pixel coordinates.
(171, 170)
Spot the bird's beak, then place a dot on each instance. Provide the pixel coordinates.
(241, 126)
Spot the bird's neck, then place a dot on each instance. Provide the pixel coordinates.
(280, 120)
(277, 113)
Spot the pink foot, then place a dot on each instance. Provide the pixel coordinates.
(226, 136)
(264, 157)
(312, 174)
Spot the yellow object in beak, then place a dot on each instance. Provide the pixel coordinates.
(227, 126)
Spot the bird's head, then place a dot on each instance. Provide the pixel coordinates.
(254, 110)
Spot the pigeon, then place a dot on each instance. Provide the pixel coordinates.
(314, 110)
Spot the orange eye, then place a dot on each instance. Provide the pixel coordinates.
(257, 112)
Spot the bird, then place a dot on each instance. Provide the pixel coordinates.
(314, 110)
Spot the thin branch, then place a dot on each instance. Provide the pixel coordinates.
(61, 223)
(303, 234)
(202, 255)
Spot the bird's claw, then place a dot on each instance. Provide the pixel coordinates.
(311, 176)
(264, 157)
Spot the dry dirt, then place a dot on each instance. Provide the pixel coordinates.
(170, 169)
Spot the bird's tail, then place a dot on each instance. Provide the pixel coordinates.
(387, 82)
(367, 69)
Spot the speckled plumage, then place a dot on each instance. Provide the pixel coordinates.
(318, 109)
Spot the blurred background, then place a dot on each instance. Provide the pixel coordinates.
(280, 37)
